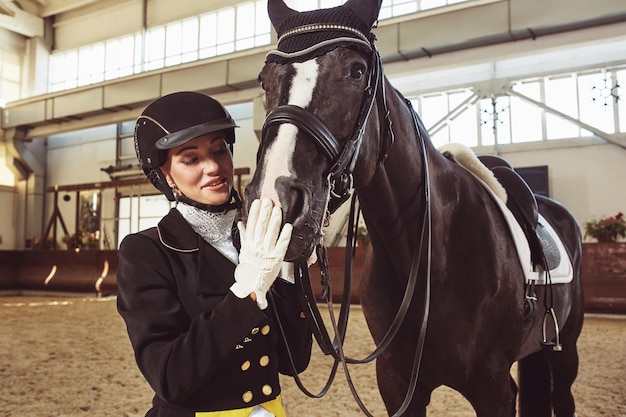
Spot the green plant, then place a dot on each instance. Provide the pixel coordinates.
(607, 229)
(85, 240)
(41, 243)
(362, 235)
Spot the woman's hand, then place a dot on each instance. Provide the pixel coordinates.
(263, 248)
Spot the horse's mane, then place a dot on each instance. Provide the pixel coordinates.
(465, 157)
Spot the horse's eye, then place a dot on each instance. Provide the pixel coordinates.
(261, 81)
(357, 71)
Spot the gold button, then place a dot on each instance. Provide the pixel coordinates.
(264, 361)
(255, 330)
(266, 329)
(247, 396)
(302, 316)
(245, 366)
(267, 390)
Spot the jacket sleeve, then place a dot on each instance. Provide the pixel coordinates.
(176, 353)
(296, 328)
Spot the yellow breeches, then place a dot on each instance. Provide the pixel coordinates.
(274, 406)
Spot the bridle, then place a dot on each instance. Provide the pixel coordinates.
(340, 183)
(339, 178)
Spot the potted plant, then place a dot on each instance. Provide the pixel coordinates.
(607, 229)
(362, 236)
(85, 240)
(43, 243)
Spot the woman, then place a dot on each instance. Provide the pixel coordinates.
(192, 291)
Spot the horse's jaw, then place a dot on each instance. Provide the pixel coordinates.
(301, 247)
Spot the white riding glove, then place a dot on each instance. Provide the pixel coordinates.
(287, 271)
(262, 251)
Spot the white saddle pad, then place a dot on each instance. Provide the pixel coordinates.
(562, 274)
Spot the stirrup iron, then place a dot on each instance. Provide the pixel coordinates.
(556, 345)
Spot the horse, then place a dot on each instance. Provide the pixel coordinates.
(336, 126)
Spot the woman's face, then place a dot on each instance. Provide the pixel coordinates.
(201, 169)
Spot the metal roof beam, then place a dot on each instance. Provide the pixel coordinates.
(19, 21)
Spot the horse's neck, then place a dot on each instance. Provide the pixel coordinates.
(393, 202)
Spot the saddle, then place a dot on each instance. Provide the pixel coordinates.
(544, 251)
(521, 201)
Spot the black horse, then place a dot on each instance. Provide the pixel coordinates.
(335, 123)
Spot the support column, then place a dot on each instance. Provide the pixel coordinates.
(26, 159)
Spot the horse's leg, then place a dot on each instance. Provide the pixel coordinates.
(393, 389)
(564, 365)
(514, 401)
(492, 392)
(546, 378)
(534, 386)
(564, 370)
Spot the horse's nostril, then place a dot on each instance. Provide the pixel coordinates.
(250, 193)
(294, 206)
(294, 199)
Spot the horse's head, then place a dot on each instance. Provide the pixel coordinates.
(320, 86)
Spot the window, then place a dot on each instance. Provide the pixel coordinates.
(526, 119)
(139, 213)
(6, 176)
(592, 97)
(10, 76)
(240, 27)
(220, 32)
(620, 92)
(561, 94)
(446, 116)
(595, 100)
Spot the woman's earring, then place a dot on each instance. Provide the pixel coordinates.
(175, 192)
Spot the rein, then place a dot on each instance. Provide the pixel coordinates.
(340, 182)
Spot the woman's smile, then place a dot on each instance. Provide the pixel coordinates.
(202, 169)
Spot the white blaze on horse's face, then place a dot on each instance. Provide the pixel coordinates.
(279, 156)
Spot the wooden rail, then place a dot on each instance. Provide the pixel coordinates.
(94, 271)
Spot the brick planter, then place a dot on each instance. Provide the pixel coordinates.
(604, 277)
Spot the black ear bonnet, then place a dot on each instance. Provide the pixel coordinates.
(302, 36)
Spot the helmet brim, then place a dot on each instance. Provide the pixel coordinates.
(183, 136)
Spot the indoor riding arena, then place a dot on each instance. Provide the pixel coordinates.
(537, 84)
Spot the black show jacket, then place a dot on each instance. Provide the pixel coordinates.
(199, 346)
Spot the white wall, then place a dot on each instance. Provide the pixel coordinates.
(76, 158)
(586, 179)
(8, 200)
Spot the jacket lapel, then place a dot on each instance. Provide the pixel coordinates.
(176, 234)
(214, 273)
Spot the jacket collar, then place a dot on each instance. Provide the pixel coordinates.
(215, 273)
(176, 234)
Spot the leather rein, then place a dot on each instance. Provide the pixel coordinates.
(340, 183)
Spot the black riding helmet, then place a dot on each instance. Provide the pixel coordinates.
(173, 120)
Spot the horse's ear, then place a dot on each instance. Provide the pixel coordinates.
(367, 10)
(278, 11)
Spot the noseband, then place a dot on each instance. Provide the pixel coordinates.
(343, 158)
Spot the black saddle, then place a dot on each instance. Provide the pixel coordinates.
(523, 204)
